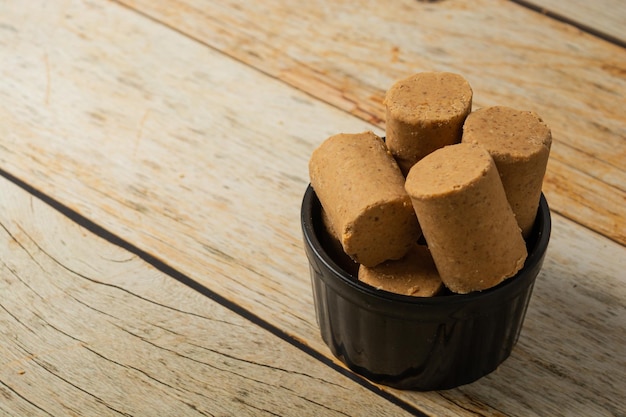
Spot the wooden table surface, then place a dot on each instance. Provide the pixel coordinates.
(153, 157)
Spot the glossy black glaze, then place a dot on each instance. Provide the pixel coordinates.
(411, 342)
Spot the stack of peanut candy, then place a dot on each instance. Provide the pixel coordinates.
(469, 182)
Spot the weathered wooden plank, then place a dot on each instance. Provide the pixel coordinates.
(201, 161)
(605, 18)
(88, 328)
(348, 53)
(182, 155)
(574, 335)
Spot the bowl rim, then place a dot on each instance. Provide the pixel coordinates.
(542, 229)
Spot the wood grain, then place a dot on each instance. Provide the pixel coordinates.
(574, 333)
(88, 328)
(200, 160)
(606, 17)
(348, 53)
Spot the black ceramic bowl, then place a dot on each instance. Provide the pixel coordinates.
(412, 342)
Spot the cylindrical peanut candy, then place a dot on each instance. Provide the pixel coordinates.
(362, 191)
(519, 143)
(465, 217)
(415, 274)
(425, 112)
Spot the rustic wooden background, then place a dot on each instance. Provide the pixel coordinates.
(143, 141)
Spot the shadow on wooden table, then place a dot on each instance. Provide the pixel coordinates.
(570, 355)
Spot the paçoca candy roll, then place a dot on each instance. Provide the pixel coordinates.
(519, 143)
(425, 112)
(466, 219)
(415, 274)
(362, 192)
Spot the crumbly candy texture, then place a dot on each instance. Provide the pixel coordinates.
(519, 142)
(425, 112)
(466, 219)
(362, 192)
(415, 274)
(473, 184)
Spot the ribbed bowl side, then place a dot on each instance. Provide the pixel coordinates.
(413, 354)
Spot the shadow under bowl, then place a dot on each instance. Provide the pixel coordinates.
(419, 343)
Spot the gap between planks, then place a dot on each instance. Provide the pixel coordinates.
(572, 22)
(184, 279)
(560, 204)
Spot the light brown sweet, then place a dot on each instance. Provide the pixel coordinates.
(362, 191)
(415, 274)
(425, 112)
(519, 143)
(465, 217)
